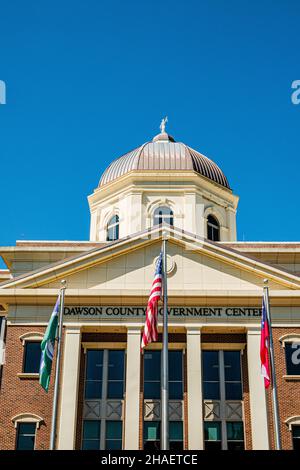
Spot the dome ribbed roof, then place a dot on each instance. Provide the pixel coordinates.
(163, 153)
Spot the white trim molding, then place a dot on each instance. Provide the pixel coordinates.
(27, 418)
(292, 421)
(31, 336)
(289, 338)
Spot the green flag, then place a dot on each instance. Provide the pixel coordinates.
(47, 346)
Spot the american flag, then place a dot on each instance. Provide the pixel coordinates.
(264, 346)
(150, 329)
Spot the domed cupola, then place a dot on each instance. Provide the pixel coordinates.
(163, 181)
(164, 154)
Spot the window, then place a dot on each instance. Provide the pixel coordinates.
(32, 357)
(230, 364)
(152, 371)
(213, 229)
(25, 436)
(113, 229)
(152, 435)
(212, 436)
(211, 381)
(233, 379)
(163, 215)
(292, 357)
(113, 439)
(235, 435)
(104, 380)
(91, 435)
(296, 437)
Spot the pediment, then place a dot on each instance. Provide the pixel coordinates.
(129, 265)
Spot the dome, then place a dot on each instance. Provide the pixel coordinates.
(163, 153)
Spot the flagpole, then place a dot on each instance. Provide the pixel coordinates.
(165, 358)
(273, 373)
(57, 368)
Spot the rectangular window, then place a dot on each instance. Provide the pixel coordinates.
(235, 435)
(152, 373)
(233, 377)
(151, 436)
(32, 357)
(211, 375)
(91, 435)
(212, 435)
(115, 386)
(296, 437)
(113, 438)
(292, 357)
(176, 435)
(94, 373)
(25, 436)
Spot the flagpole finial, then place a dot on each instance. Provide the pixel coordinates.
(266, 282)
(63, 284)
(165, 234)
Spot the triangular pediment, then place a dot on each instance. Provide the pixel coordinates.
(128, 265)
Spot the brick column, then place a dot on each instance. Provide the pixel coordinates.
(67, 418)
(194, 389)
(258, 405)
(132, 399)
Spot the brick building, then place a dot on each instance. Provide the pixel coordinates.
(109, 394)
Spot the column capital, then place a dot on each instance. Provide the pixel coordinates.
(133, 329)
(193, 330)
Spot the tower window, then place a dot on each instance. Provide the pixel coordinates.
(163, 215)
(113, 229)
(213, 229)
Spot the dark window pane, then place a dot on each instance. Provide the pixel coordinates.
(235, 431)
(32, 357)
(175, 390)
(115, 390)
(163, 214)
(236, 445)
(26, 436)
(90, 445)
(152, 390)
(210, 365)
(211, 390)
(152, 446)
(94, 364)
(232, 362)
(213, 445)
(213, 229)
(93, 389)
(176, 446)
(212, 431)
(176, 430)
(175, 365)
(113, 228)
(296, 431)
(152, 365)
(114, 430)
(116, 365)
(113, 445)
(292, 355)
(91, 430)
(233, 391)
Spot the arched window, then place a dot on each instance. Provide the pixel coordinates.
(113, 229)
(213, 229)
(163, 215)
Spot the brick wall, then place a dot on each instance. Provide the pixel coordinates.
(22, 395)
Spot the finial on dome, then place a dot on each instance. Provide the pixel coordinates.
(163, 125)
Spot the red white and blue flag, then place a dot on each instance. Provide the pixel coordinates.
(150, 332)
(264, 346)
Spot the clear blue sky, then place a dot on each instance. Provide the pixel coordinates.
(89, 80)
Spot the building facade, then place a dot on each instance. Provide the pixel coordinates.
(109, 395)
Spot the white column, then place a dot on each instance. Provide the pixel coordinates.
(69, 389)
(258, 405)
(132, 399)
(194, 389)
